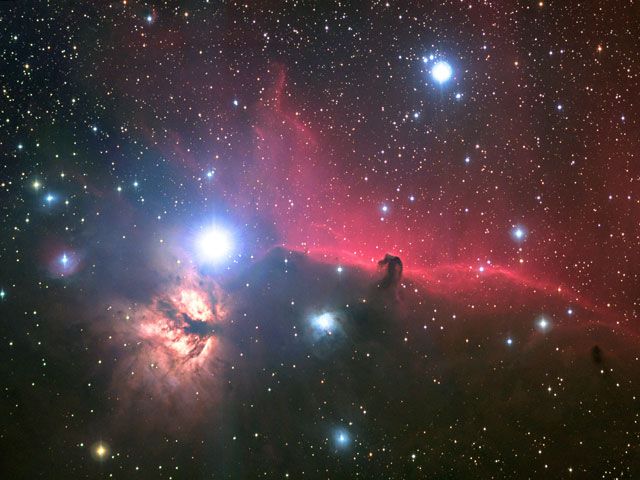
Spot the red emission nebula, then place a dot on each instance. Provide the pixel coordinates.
(338, 240)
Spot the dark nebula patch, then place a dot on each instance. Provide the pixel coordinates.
(319, 240)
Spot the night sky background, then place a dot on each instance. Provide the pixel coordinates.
(195, 196)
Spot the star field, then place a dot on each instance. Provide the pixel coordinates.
(304, 239)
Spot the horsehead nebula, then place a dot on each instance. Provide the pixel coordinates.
(319, 240)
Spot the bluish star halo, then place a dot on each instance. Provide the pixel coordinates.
(441, 72)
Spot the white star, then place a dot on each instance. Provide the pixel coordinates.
(543, 324)
(214, 244)
(441, 72)
(325, 322)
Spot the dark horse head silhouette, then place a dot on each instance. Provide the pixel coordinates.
(393, 265)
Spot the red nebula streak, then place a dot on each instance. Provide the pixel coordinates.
(496, 288)
(331, 212)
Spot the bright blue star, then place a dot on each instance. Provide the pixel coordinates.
(214, 244)
(49, 198)
(327, 325)
(324, 322)
(64, 260)
(441, 72)
(2, 294)
(518, 233)
(342, 438)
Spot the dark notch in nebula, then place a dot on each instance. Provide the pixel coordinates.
(393, 276)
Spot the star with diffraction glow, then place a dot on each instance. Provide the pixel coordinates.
(100, 451)
(518, 233)
(342, 438)
(214, 244)
(543, 324)
(441, 72)
(324, 322)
